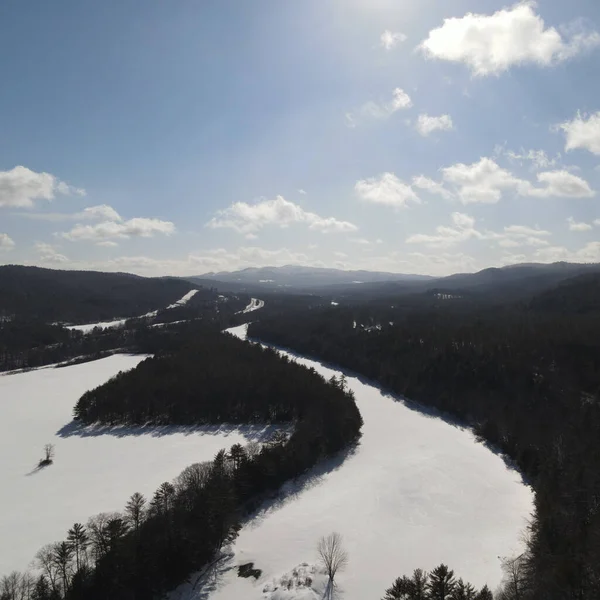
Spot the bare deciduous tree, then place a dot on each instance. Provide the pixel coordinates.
(332, 555)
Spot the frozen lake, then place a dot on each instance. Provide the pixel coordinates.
(417, 491)
(93, 471)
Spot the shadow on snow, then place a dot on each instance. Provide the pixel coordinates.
(253, 433)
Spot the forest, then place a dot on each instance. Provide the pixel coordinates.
(524, 375)
(26, 342)
(199, 375)
(82, 296)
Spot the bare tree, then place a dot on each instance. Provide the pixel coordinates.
(332, 555)
(514, 584)
(48, 455)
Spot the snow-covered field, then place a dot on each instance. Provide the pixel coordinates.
(93, 471)
(416, 492)
(120, 322)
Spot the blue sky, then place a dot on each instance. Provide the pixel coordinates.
(408, 136)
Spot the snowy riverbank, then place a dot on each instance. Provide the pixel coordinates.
(416, 492)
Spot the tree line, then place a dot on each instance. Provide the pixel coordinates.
(154, 544)
(525, 376)
(26, 342)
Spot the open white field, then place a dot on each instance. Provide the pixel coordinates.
(91, 473)
(418, 491)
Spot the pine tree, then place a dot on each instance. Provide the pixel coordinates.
(78, 540)
(484, 594)
(401, 589)
(463, 591)
(135, 511)
(441, 583)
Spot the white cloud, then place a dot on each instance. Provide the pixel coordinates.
(538, 158)
(561, 184)
(590, 253)
(49, 254)
(301, 191)
(380, 110)
(249, 218)
(365, 242)
(389, 39)
(583, 132)
(6, 242)
(427, 125)
(485, 182)
(92, 213)
(463, 230)
(481, 182)
(491, 44)
(21, 187)
(431, 186)
(108, 230)
(578, 225)
(386, 189)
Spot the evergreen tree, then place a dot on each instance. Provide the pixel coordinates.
(78, 540)
(484, 594)
(441, 583)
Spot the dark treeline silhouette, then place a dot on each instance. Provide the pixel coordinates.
(200, 376)
(83, 296)
(439, 584)
(28, 343)
(526, 377)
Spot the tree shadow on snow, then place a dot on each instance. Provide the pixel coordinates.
(289, 491)
(201, 585)
(253, 433)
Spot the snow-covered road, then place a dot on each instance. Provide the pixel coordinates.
(416, 492)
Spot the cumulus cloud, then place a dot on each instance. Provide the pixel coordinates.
(561, 184)
(485, 182)
(463, 229)
(389, 39)
(431, 186)
(386, 189)
(491, 44)
(249, 218)
(110, 230)
(21, 187)
(49, 254)
(583, 132)
(380, 110)
(578, 225)
(427, 125)
(538, 158)
(6, 242)
(92, 213)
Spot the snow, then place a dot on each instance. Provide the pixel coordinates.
(88, 327)
(416, 492)
(335, 303)
(94, 470)
(255, 304)
(183, 300)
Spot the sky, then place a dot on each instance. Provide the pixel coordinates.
(410, 136)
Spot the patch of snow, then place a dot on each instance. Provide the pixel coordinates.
(255, 304)
(88, 327)
(184, 300)
(335, 304)
(417, 491)
(95, 469)
(266, 281)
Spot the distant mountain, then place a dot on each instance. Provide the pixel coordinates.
(82, 296)
(292, 276)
